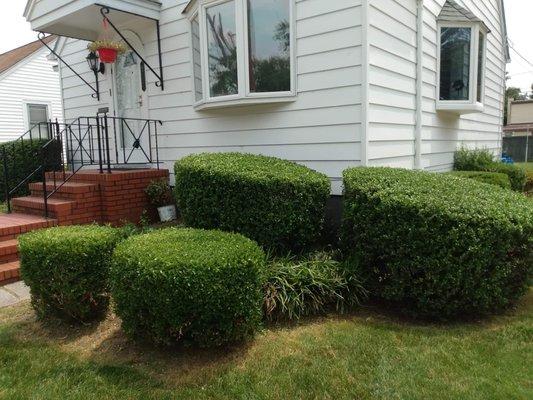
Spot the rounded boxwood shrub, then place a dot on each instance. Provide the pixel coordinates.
(67, 270)
(188, 285)
(438, 246)
(492, 178)
(278, 203)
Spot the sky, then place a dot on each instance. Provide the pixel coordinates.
(15, 31)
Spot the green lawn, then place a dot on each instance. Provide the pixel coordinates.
(363, 356)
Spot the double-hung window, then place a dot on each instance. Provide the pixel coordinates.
(37, 116)
(242, 51)
(461, 65)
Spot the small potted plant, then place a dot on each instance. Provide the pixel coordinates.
(160, 196)
(107, 49)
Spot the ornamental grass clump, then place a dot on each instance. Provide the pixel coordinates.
(437, 246)
(188, 286)
(278, 203)
(67, 270)
(298, 287)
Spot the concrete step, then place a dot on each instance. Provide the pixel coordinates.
(9, 251)
(9, 272)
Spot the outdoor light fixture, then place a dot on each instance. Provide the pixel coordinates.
(94, 64)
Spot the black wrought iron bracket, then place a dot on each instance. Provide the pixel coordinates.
(160, 82)
(96, 90)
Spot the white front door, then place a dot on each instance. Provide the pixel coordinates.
(132, 132)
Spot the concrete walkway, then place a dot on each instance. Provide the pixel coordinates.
(13, 294)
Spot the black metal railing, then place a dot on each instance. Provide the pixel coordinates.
(101, 142)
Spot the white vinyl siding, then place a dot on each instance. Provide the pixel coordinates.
(393, 87)
(442, 135)
(30, 81)
(320, 129)
(324, 128)
(392, 82)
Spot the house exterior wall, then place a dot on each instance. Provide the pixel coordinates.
(30, 81)
(393, 45)
(441, 134)
(321, 129)
(356, 91)
(392, 82)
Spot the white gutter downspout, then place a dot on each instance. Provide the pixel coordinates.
(419, 83)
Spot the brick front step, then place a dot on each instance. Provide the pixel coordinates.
(87, 197)
(11, 226)
(35, 205)
(122, 175)
(9, 272)
(9, 251)
(69, 190)
(15, 224)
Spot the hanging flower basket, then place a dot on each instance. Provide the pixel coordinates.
(107, 50)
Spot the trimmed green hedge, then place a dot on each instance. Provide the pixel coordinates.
(529, 182)
(278, 203)
(517, 175)
(67, 270)
(23, 157)
(492, 178)
(483, 160)
(438, 246)
(188, 285)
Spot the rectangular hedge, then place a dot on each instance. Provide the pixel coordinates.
(492, 178)
(23, 157)
(435, 245)
(483, 160)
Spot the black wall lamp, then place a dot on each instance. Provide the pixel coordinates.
(94, 64)
(97, 67)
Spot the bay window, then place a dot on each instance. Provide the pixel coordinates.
(241, 52)
(461, 65)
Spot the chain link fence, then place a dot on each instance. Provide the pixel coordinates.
(519, 148)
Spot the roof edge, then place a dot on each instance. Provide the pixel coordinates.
(454, 12)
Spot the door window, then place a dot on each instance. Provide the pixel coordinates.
(129, 93)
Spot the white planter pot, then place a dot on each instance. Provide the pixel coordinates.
(167, 213)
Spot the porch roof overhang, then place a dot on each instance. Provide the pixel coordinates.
(81, 19)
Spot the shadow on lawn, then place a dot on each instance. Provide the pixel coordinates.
(116, 358)
(97, 358)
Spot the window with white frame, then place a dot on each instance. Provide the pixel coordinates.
(461, 67)
(241, 51)
(37, 114)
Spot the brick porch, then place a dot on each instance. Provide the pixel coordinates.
(87, 197)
